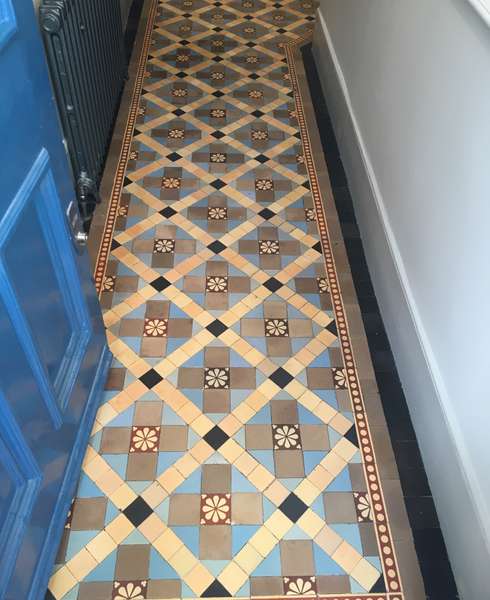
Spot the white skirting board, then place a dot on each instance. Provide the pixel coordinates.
(462, 520)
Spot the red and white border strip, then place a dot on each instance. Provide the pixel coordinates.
(106, 240)
(385, 542)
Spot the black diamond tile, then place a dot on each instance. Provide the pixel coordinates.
(318, 248)
(216, 246)
(138, 511)
(184, 43)
(218, 4)
(351, 435)
(248, 17)
(49, 596)
(293, 507)
(115, 245)
(277, 5)
(253, 76)
(297, 135)
(281, 377)
(187, 15)
(306, 184)
(160, 283)
(379, 587)
(151, 378)
(216, 590)
(291, 94)
(310, 18)
(178, 112)
(168, 212)
(257, 113)
(218, 184)
(250, 44)
(127, 181)
(332, 327)
(173, 156)
(216, 437)
(218, 134)
(217, 29)
(181, 74)
(217, 59)
(218, 94)
(216, 327)
(281, 30)
(261, 158)
(267, 214)
(272, 284)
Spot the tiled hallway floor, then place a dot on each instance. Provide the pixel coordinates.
(233, 453)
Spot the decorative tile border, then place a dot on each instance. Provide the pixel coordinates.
(385, 541)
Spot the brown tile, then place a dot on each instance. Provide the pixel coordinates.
(216, 478)
(275, 310)
(339, 507)
(289, 463)
(216, 357)
(153, 347)
(358, 480)
(141, 467)
(179, 328)
(242, 378)
(173, 438)
(95, 590)
(246, 509)
(266, 586)
(216, 301)
(132, 562)
(191, 378)
(125, 283)
(164, 588)
(148, 413)
(184, 509)
(239, 285)
(193, 284)
(314, 437)
(252, 327)
(319, 378)
(297, 557)
(115, 440)
(157, 309)
(300, 328)
(258, 437)
(89, 513)
(61, 553)
(216, 401)
(333, 584)
(115, 379)
(284, 411)
(131, 328)
(368, 539)
(280, 346)
(215, 542)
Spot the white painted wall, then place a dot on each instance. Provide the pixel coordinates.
(408, 86)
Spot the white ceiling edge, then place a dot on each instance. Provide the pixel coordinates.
(483, 9)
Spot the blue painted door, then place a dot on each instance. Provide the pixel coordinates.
(53, 355)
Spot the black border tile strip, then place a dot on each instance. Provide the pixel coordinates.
(429, 543)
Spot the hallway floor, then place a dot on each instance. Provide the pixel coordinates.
(233, 454)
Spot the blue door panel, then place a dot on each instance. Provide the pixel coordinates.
(53, 351)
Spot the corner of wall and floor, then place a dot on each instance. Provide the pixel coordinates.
(453, 481)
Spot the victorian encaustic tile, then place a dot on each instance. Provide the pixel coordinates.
(232, 455)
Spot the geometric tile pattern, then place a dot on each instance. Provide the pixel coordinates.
(229, 457)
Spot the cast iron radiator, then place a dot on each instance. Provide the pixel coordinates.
(85, 48)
